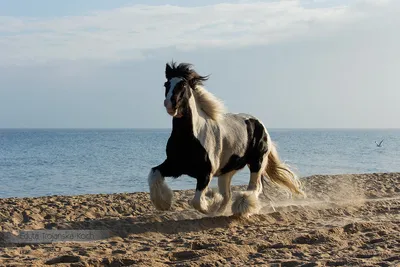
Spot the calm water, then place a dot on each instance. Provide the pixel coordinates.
(71, 162)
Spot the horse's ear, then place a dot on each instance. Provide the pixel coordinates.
(168, 71)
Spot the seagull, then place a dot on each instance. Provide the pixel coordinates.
(380, 143)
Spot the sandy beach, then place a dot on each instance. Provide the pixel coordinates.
(346, 220)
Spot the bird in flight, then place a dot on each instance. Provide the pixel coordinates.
(379, 144)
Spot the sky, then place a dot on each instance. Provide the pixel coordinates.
(293, 64)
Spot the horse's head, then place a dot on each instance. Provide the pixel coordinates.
(177, 90)
(181, 80)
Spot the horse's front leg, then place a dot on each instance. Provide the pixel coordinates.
(224, 186)
(205, 201)
(160, 194)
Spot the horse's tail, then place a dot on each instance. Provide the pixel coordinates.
(280, 173)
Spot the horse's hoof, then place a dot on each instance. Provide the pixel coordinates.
(245, 204)
(162, 202)
(222, 209)
(160, 194)
(208, 204)
(161, 197)
(200, 206)
(214, 203)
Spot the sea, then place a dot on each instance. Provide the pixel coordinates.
(43, 162)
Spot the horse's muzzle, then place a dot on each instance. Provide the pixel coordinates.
(168, 106)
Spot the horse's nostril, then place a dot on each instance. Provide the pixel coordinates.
(165, 103)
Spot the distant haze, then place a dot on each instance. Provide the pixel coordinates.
(293, 64)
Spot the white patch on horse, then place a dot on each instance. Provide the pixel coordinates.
(168, 103)
(172, 83)
(206, 131)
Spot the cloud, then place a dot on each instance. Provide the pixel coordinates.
(125, 33)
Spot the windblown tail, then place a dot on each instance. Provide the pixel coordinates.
(279, 173)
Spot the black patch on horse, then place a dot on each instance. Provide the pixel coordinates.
(185, 154)
(257, 147)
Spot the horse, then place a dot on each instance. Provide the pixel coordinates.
(206, 141)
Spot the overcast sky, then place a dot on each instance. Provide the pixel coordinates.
(293, 64)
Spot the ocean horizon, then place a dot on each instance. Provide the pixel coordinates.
(74, 161)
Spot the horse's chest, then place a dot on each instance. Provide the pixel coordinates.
(188, 154)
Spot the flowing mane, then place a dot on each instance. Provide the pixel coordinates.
(208, 103)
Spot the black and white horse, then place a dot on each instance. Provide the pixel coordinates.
(207, 142)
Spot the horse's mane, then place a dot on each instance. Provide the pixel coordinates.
(208, 102)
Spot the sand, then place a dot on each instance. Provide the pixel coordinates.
(347, 220)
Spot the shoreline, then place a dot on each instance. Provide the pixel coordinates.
(346, 219)
(183, 190)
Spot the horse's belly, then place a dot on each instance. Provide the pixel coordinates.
(233, 152)
(234, 163)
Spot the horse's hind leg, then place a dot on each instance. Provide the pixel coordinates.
(247, 203)
(160, 194)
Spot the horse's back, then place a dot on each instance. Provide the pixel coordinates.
(242, 115)
(238, 127)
